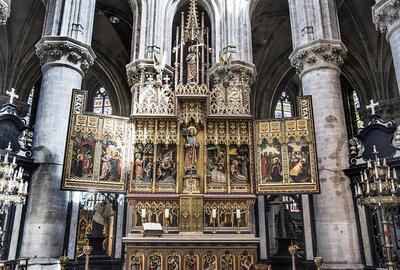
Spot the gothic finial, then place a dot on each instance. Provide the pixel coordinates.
(192, 26)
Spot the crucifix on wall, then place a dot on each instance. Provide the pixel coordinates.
(372, 105)
(12, 95)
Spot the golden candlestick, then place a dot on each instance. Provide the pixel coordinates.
(293, 250)
(318, 262)
(87, 250)
(63, 261)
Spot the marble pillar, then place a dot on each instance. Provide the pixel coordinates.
(318, 63)
(386, 16)
(65, 55)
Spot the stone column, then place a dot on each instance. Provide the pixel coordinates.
(337, 238)
(317, 56)
(65, 54)
(5, 9)
(386, 16)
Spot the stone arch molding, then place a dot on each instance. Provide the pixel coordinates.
(225, 15)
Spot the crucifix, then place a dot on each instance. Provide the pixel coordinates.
(12, 95)
(372, 105)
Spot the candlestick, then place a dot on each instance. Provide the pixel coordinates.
(393, 187)
(367, 187)
(394, 173)
(380, 186)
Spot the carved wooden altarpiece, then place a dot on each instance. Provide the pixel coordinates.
(187, 156)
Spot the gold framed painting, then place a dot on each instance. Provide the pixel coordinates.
(95, 156)
(286, 160)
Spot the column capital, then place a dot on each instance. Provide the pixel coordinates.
(318, 54)
(246, 70)
(4, 11)
(386, 16)
(65, 51)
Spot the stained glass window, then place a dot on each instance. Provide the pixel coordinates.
(30, 101)
(357, 106)
(101, 102)
(284, 106)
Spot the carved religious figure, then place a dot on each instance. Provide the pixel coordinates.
(191, 148)
(136, 263)
(102, 211)
(191, 61)
(173, 262)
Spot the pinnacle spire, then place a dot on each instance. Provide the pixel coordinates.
(192, 26)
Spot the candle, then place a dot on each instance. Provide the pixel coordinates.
(394, 173)
(362, 177)
(367, 187)
(388, 171)
(376, 173)
(214, 213)
(143, 213)
(26, 188)
(393, 187)
(166, 213)
(365, 176)
(374, 148)
(20, 187)
(384, 162)
(380, 186)
(6, 158)
(238, 213)
(359, 189)
(14, 159)
(9, 145)
(369, 163)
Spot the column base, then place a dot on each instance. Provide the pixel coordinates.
(336, 266)
(44, 264)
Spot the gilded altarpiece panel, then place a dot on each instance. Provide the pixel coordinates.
(192, 258)
(95, 154)
(286, 154)
(155, 158)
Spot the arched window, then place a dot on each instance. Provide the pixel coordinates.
(284, 106)
(101, 102)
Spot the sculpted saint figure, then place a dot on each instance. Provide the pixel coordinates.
(191, 147)
(191, 61)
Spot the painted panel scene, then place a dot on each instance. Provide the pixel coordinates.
(216, 164)
(83, 156)
(143, 163)
(299, 161)
(166, 164)
(271, 162)
(111, 161)
(239, 164)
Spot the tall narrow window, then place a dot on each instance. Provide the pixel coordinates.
(30, 102)
(101, 102)
(284, 106)
(357, 106)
